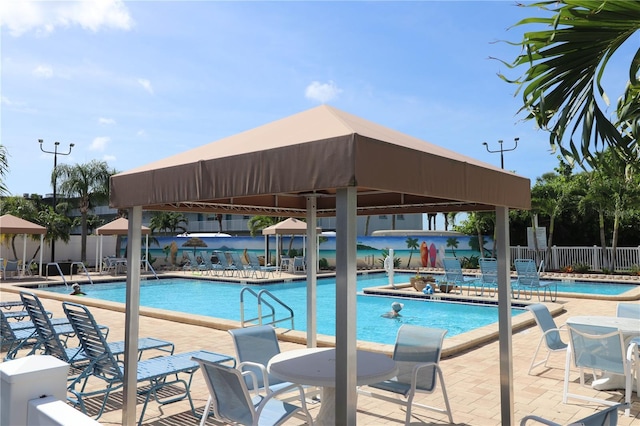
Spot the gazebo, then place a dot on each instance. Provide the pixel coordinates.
(323, 162)
(119, 226)
(290, 226)
(10, 224)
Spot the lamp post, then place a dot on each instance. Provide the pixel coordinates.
(55, 164)
(501, 150)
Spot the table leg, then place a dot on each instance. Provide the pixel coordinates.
(327, 413)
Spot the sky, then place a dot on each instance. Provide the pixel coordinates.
(130, 83)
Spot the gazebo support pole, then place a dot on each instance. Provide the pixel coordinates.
(504, 315)
(346, 227)
(41, 246)
(132, 316)
(312, 276)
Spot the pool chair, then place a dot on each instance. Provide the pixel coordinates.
(453, 276)
(488, 276)
(601, 349)
(550, 334)
(51, 343)
(160, 377)
(13, 341)
(628, 310)
(417, 355)
(11, 269)
(238, 264)
(529, 280)
(606, 417)
(226, 265)
(257, 269)
(229, 396)
(255, 346)
(299, 265)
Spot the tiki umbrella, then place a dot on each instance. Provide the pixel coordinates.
(194, 242)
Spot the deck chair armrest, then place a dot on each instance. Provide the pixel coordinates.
(263, 370)
(254, 378)
(416, 369)
(301, 397)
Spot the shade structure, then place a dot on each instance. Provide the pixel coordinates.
(325, 162)
(119, 226)
(290, 226)
(10, 224)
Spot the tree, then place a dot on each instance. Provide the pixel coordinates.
(453, 243)
(412, 244)
(4, 169)
(258, 223)
(89, 184)
(562, 87)
(168, 223)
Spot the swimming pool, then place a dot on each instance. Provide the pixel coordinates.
(222, 300)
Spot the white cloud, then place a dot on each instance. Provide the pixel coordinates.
(5, 101)
(106, 121)
(108, 158)
(322, 92)
(141, 132)
(146, 84)
(43, 71)
(100, 143)
(44, 17)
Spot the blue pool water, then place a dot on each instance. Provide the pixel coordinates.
(222, 300)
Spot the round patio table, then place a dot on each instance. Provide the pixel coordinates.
(317, 367)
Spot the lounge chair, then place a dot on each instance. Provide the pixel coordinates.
(454, 277)
(225, 264)
(417, 354)
(254, 265)
(229, 396)
(606, 417)
(529, 279)
(488, 276)
(238, 264)
(50, 340)
(155, 373)
(628, 310)
(550, 334)
(600, 349)
(12, 341)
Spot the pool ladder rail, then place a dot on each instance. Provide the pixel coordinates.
(80, 266)
(264, 297)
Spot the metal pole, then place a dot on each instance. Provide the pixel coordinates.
(501, 150)
(55, 165)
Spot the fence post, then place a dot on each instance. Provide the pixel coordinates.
(554, 255)
(595, 262)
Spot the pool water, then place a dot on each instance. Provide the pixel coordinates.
(222, 300)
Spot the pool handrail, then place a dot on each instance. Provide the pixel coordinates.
(260, 300)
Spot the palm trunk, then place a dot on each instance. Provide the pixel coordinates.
(603, 240)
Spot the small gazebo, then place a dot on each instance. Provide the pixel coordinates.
(10, 224)
(119, 226)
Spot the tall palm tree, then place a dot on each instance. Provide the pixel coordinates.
(453, 243)
(88, 184)
(4, 169)
(562, 87)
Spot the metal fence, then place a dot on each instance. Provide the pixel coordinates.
(591, 258)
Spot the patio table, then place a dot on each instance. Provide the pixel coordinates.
(317, 367)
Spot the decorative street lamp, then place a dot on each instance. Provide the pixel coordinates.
(55, 164)
(501, 150)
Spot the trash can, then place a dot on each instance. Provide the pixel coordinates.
(27, 378)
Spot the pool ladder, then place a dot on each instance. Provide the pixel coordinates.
(57, 265)
(264, 297)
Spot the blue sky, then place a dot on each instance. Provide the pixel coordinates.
(134, 82)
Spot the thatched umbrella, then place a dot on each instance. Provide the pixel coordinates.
(194, 242)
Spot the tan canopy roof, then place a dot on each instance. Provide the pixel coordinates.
(270, 170)
(10, 224)
(119, 226)
(290, 226)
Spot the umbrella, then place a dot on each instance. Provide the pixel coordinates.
(194, 242)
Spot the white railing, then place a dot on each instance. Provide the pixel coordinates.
(591, 257)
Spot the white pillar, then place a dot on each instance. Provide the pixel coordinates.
(312, 276)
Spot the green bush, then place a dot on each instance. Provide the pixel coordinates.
(323, 263)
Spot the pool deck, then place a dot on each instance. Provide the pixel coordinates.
(470, 364)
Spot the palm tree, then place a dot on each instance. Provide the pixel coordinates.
(169, 222)
(453, 243)
(4, 169)
(258, 223)
(89, 184)
(412, 244)
(562, 87)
